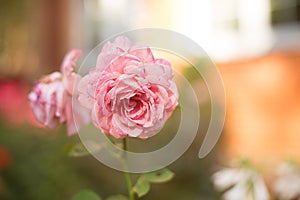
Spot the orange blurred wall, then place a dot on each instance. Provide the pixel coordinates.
(263, 107)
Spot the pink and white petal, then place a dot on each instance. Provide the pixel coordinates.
(70, 81)
(104, 60)
(70, 123)
(85, 97)
(51, 121)
(143, 53)
(123, 43)
(39, 112)
(81, 115)
(163, 62)
(77, 116)
(68, 63)
(123, 129)
(111, 51)
(61, 100)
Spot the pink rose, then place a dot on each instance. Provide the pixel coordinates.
(130, 93)
(51, 97)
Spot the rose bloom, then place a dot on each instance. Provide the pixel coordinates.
(129, 92)
(51, 97)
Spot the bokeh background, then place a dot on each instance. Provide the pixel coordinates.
(255, 44)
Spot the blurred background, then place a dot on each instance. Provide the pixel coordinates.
(255, 44)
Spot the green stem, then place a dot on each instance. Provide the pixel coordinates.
(126, 174)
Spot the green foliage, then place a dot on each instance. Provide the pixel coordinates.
(159, 176)
(117, 197)
(86, 195)
(142, 187)
(40, 169)
(76, 150)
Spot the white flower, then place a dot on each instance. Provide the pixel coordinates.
(241, 184)
(287, 186)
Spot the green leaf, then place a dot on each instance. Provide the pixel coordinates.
(159, 176)
(86, 195)
(76, 150)
(142, 187)
(117, 197)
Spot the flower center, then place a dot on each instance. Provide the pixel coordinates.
(138, 109)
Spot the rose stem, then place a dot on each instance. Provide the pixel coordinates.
(126, 174)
